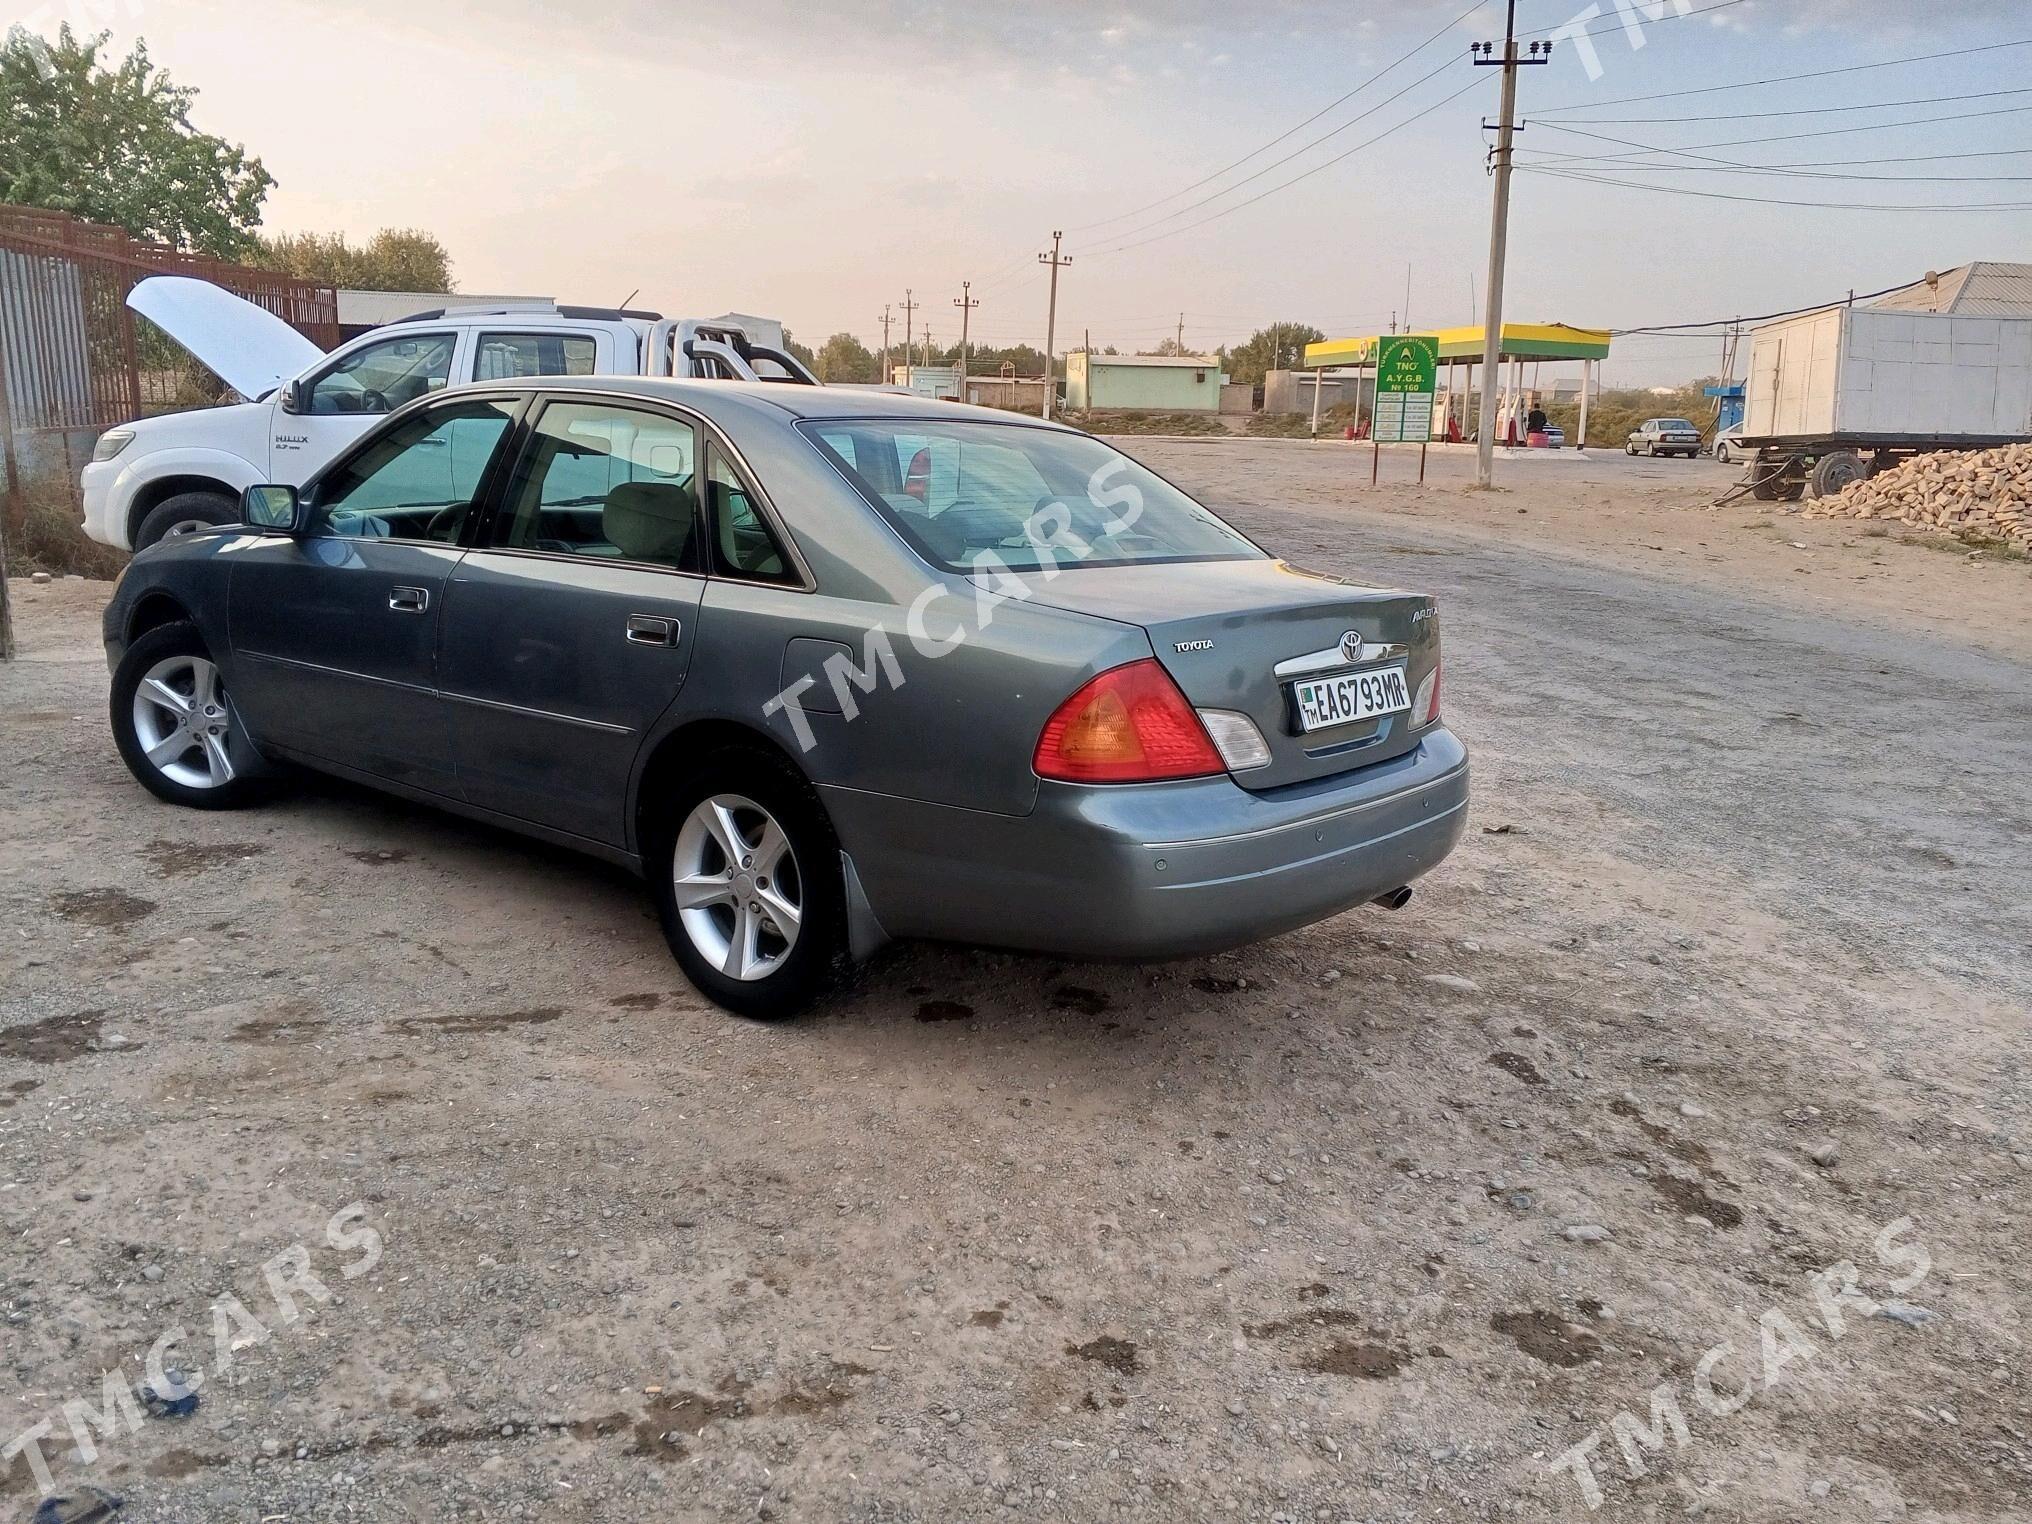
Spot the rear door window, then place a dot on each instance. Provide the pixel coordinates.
(504, 355)
(611, 483)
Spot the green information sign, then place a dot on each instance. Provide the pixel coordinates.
(1407, 372)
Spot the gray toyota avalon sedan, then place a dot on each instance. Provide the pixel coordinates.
(827, 666)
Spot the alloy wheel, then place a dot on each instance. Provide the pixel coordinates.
(739, 893)
(183, 722)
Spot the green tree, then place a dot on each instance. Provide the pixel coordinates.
(116, 145)
(394, 259)
(845, 358)
(1278, 347)
(800, 351)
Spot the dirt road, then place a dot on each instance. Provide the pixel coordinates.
(1372, 1222)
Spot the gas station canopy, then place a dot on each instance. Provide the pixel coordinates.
(1521, 341)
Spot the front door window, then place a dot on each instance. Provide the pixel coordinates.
(417, 481)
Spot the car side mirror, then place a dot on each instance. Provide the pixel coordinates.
(271, 507)
(296, 397)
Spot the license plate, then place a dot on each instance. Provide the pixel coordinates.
(1352, 696)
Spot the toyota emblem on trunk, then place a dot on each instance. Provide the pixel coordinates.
(1351, 646)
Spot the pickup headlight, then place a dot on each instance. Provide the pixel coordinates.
(111, 443)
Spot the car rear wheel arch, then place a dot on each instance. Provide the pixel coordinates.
(679, 751)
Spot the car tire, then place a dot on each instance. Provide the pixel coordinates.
(167, 688)
(185, 513)
(737, 818)
(1629, 449)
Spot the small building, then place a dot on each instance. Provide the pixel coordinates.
(361, 310)
(1985, 288)
(1143, 383)
(1021, 394)
(928, 380)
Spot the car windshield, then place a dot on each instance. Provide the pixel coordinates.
(966, 494)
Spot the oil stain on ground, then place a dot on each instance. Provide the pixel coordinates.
(58, 1039)
(1517, 1065)
(1074, 997)
(944, 1010)
(379, 857)
(101, 907)
(1366, 1362)
(477, 1023)
(1693, 1200)
(1118, 1355)
(14, 1092)
(647, 1001)
(1547, 1336)
(177, 859)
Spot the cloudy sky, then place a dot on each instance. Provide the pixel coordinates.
(814, 161)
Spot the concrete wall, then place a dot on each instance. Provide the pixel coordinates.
(1290, 391)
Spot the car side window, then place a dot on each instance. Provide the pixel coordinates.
(381, 377)
(503, 355)
(416, 480)
(743, 544)
(611, 483)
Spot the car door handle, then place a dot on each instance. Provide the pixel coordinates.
(652, 630)
(408, 600)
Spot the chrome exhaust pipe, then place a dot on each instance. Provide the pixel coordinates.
(1395, 899)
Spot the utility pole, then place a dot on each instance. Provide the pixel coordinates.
(909, 308)
(885, 377)
(1499, 232)
(1181, 333)
(966, 302)
(1051, 314)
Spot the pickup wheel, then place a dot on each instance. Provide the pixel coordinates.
(185, 513)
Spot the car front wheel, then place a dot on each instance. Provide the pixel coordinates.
(175, 725)
(746, 872)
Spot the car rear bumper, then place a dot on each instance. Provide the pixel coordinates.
(1156, 870)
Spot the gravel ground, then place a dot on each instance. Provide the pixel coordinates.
(1371, 1222)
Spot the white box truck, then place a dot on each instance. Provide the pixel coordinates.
(1842, 393)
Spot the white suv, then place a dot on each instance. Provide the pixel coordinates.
(185, 471)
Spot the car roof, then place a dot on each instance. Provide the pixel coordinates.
(778, 400)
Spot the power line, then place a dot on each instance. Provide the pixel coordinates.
(1766, 317)
(1824, 132)
(1324, 110)
(1784, 79)
(1583, 160)
(1287, 184)
(1741, 116)
(1296, 152)
(1712, 164)
(1834, 206)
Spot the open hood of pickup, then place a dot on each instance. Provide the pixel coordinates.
(250, 348)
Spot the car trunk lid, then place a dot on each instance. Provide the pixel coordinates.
(1241, 635)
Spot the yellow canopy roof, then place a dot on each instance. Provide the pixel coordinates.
(1521, 341)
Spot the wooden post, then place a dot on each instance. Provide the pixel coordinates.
(1587, 370)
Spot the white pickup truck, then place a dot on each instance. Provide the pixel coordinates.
(184, 471)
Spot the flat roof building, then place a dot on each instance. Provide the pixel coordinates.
(1144, 383)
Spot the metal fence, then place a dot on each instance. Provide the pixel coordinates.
(69, 356)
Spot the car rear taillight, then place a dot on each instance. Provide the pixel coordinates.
(1129, 725)
(1425, 702)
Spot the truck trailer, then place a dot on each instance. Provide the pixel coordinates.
(1845, 392)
